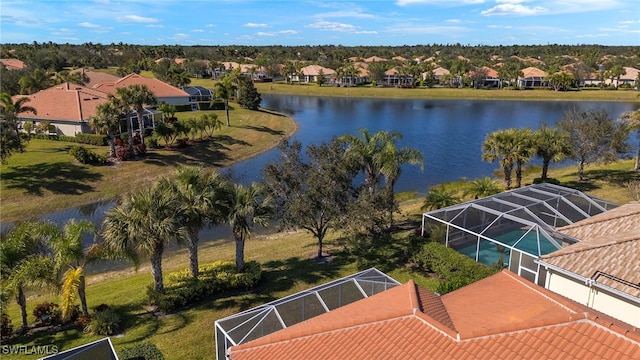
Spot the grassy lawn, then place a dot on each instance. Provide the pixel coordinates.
(45, 178)
(440, 93)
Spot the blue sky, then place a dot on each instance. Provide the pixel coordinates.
(277, 22)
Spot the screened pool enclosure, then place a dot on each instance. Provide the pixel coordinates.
(279, 314)
(514, 228)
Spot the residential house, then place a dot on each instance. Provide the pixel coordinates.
(310, 74)
(360, 77)
(374, 59)
(67, 107)
(95, 77)
(13, 64)
(198, 93)
(533, 78)
(630, 77)
(602, 271)
(395, 77)
(164, 93)
(438, 74)
(399, 58)
(500, 317)
(491, 79)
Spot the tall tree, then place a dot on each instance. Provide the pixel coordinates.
(143, 224)
(524, 151)
(199, 200)
(34, 82)
(244, 207)
(311, 194)
(501, 145)
(71, 258)
(10, 139)
(594, 137)
(107, 121)
(135, 97)
(223, 90)
(551, 145)
(23, 262)
(633, 119)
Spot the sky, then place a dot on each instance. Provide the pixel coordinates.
(348, 23)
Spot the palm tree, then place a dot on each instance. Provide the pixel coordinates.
(367, 151)
(135, 97)
(71, 257)
(502, 145)
(9, 124)
(107, 121)
(551, 145)
(244, 207)
(525, 149)
(391, 160)
(633, 119)
(23, 262)
(34, 82)
(224, 89)
(482, 187)
(143, 224)
(199, 201)
(438, 198)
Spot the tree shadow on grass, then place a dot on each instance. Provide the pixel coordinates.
(611, 176)
(213, 152)
(278, 276)
(263, 129)
(59, 178)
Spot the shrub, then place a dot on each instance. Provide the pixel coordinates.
(87, 156)
(92, 139)
(456, 269)
(139, 149)
(142, 351)
(105, 322)
(123, 152)
(47, 313)
(153, 142)
(181, 289)
(6, 329)
(547, 180)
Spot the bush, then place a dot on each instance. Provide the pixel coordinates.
(547, 180)
(6, 329)
(123, 152)
(105, 322)
(87, 156)
(183, 108)
(181, 289)
(47, 313)
(142, 351)
(153, 142)
(92, 139)
(456, 269)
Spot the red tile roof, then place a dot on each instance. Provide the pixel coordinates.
(65, 102)
(502, 316)
(159, 88)
(96, 77)
(13, 64)
(610, 244)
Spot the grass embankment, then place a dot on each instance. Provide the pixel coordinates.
(368, 91)
(45, 178)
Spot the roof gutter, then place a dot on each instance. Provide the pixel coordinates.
(588, 281)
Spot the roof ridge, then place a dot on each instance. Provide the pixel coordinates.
(586, 245)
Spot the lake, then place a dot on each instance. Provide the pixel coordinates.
(448, 132)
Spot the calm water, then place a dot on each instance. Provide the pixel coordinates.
(448, 132)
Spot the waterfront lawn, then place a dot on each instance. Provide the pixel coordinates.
(45, 178)
(287, 266)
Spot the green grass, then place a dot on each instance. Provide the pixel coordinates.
(188, 334)
(45, 178)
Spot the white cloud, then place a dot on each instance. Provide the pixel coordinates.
(211, 25)
(254, 25)
(331, 26)
(88, 25)
(452, 21)
(95, 27)
(446, 2)
(514, 9)
(352, 14)
(261, 33)
(274, 33)
(197, 30)
(365, 32)
(413, 29)
(136, 19)
(288, 32)
(155, 26)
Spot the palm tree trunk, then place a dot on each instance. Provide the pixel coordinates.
(112, 146)
(141, 124)
(507, 176)
(581, 170)
(518, 174)
(637, 165)
(193, 253)
(545, 167)
(83, 296)
(239, 253)
(156, 270)
(226, 110)
(22, 302)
